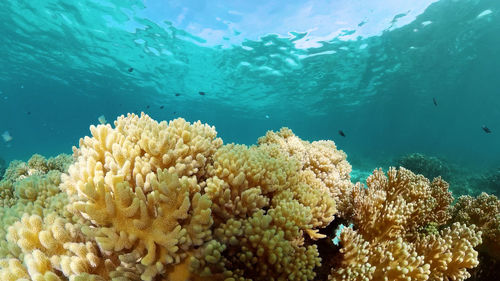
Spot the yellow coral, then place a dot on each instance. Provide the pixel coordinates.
(323, 160)
(139, 186)
(387, 245)
(451, 253)
(243, 179)
(386, 260)
(53, 247)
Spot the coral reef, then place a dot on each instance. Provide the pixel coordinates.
(462, 180)
(147, 200)
(487, 181)
(429, 166)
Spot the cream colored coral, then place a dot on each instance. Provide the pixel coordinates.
(139, 185)
(322, 157)
(244, 178)
(451, 253)
(313, 193)
(387, 260)
(324, 160)
(52, 248)
(258, 249)
(388, 216)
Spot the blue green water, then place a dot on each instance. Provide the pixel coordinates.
(64, 63)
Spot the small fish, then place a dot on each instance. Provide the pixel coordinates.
(102, 119)
(202, 93)
(434, 101)
(341, 133)
(267, 116)
(486, 129)
(6, 136)
(161, 106)
(147, 106)
(177, 94)
(175, 112)
(130, 69)
(29, 112)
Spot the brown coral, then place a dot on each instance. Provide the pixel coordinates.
(388, 243)
(484, 212)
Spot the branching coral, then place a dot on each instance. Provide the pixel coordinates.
(323, 167)
(388, 243)
(139, 185)
(255, 244)
(321, 157)
(398, 204)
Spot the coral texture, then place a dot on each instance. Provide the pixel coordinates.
(144, 200)
(30, 189)
(390, 241)
(325, 167)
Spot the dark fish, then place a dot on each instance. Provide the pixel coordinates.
(131, 69)
(29, 112)
(486, 129)
(147, 106)
(175, 112)
(434, 101)
(202, 93)
(177, 94)
(161, 106)
(341, 133)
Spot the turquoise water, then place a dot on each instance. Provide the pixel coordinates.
(64, 63)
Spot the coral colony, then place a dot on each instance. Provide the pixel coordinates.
(143, 200)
